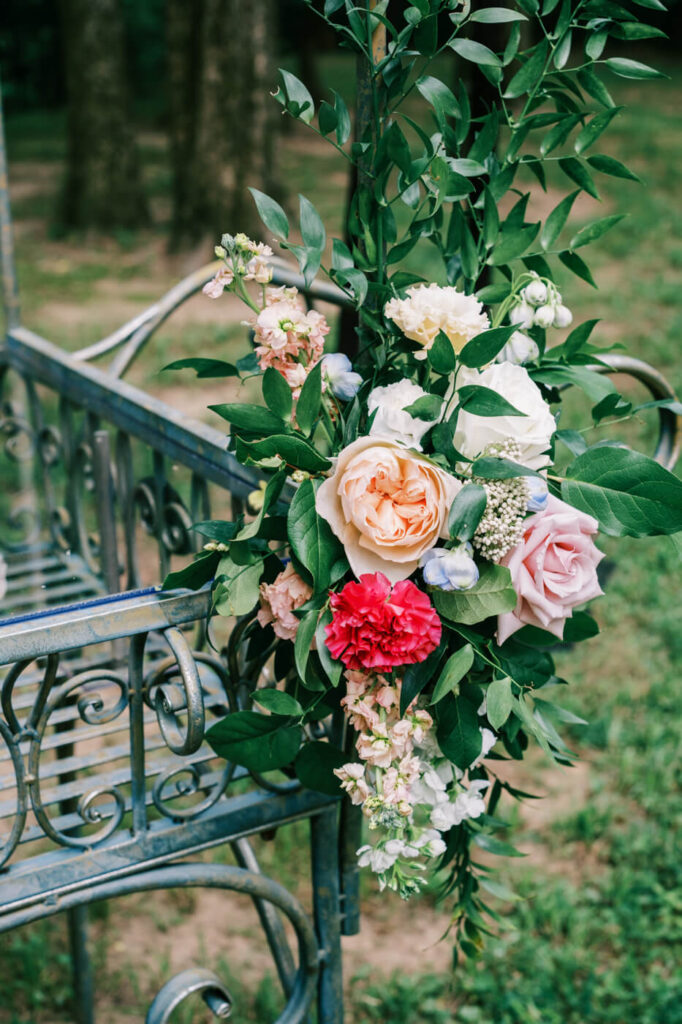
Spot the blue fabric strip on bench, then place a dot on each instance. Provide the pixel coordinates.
(93, 602)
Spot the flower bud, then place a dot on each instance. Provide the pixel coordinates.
(537, 493)
(544, 316)
(535, 293)
(562, 316)
(519, 349)
(522, 315)
(450, 569)
(343, 380)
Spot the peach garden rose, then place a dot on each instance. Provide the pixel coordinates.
(386, 505)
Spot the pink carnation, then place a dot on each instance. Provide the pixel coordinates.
(553, 569)
(376, 627)
(278, 601)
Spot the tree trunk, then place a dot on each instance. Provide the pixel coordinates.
(103, 187)
(223, 120)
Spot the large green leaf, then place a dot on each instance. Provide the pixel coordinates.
(556, 220)
(194, 575)
(528, 76)
(315, 766)
(466, 511)
(311, 538)
(271, 213)
(308, 405)
(454, 670)
(293, 450)
(205, 367)
(626, 68)
(258, 742)
(482, 349)
(236, 590)
(254, 418)
(492, 595)
(498, 701)
(277, 393)
(459, 731)
(627, 492)
(480, 401)
(591, 232)
(278, 702)
(475, 52)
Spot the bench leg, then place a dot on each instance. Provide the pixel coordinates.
(324, 830)
(77, 919)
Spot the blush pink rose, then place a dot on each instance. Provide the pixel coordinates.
(553, 569)
(278, 601)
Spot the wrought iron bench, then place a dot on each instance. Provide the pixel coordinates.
(105, 781)
(105, 778)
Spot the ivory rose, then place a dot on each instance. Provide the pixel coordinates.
(429, 309)
(532, 431)
(553, 569)
(278, 601)
(391, 420)
(386, 505)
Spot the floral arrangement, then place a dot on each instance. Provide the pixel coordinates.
(426, 532)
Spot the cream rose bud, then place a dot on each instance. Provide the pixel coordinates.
(532, 432)
(522, 315)
(535, 293)
(429, 309)
(518, 350)
(386, 505)
(562, 317)
(544, 316)
(391, 421)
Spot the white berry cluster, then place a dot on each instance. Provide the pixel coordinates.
(501, 526)
(540, 305)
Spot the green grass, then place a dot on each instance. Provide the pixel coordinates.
(596, 937)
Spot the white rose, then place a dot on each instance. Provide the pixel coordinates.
(429, 309)
(519, 349)
(391, 421)
(532, 432)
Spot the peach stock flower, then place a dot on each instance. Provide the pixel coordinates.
(386, 505)
(278, 601)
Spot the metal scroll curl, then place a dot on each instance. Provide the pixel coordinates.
(9, 844)
(96, 706)
(169, 700)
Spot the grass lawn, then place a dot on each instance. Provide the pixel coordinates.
(596, 934)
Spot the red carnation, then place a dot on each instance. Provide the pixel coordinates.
(376, 628)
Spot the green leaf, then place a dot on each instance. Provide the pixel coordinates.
(343, 127)
(480, 401)
(609, 165)
(441, 355)
(626, 68)
(558, 134)
(271, 213)
(490, 468)
(427, 407)
(270, 496)
(496, 15)
(417, 677)
(216, 529)
(304, 641)
(498, 702)
(467, 168)
(331, 666)
(236, 590)
(194, 575)
(591, 232)
(556, 220)
(205, 367)
(595, 385)
(466, 511)
(578, 173)
(277, 393)
(577, 266)
(456, 667)
(458, 731)
(492, 595)
(308, 405)
(312, 229)
(594, 128)
(253, 418)
(278, 702)
(441, 98)
(311, 538)
(494, 845)
(512, 244)
(627, 492)
(315, 764)
(482, 349)
(293, 450)
(295, 97)
(258, 742)
(528, 76)
(594, 87)
(475, 52)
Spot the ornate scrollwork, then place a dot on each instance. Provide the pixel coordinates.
(18, 819)
(184, 781)
(169, 699)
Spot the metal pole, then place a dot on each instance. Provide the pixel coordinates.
(10, 290)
